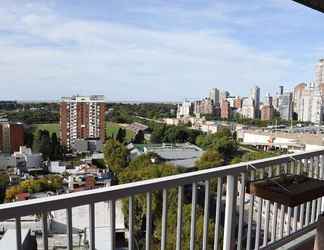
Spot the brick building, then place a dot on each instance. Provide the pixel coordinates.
(11, 137)
(225, 110)
(82, 117)
(267, 112)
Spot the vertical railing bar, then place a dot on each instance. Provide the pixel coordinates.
(267, 215)
(229, 224)
(314, 175)
(295, 212)
(319, 200)
(259, 217)
(206, 216)
(282, 221)
(300, 168)
(321, 166)
(193, 216)
(131, 223)
(308, 204)
(112, 224)
(92, 226)
(241, 215)
(179, 219)
(164, 219)
(18, 233)
(45, 230)
(69, 228)
(274, 214)
(148, 235)
(218, 212)
(288, 221)
(250, 216)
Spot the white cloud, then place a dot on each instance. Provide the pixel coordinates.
(48, 56)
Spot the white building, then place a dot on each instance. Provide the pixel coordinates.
(248, 108)
(285, 106)
(319, 72)
(310, 104)
(25, 155)
(214, 95)
(184, 109)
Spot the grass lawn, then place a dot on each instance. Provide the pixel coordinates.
(111, 129)
(51, 127)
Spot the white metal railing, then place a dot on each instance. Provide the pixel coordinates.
(268, 225)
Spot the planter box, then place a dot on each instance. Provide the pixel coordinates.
(289, 190)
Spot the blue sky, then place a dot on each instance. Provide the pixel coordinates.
(154, 50)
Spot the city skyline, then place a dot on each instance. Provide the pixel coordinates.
(161, 51)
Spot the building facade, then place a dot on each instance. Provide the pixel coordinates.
(11, 137)
(214, 95)
(204, 106)
(266, 112)
(285, 106)
(225, 110)
(248, 108)
(319, 72)
(184, 110)
(82, 117)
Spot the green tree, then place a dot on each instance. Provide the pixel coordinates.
(4, 181)
(139, 138)
(210, 159)
(116, 156)
(121, 135)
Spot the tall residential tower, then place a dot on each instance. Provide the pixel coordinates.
(82, 117)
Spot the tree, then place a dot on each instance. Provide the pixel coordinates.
(42, 144)
(116, 156)
(121, 135)
(210, 159)
(56, 148)
(139, 138)
(4, 181)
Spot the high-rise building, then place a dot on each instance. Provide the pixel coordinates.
(266, 112)
(204, 106)
(255, 95)
(299, 92)
(285, 106)
(214, 95)
(184, 109)
(248, 108)
(319, 72)
(11, 136)
(225, 110)
(238, 103)
(82, 117)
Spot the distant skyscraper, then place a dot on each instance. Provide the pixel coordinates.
(223, 95)
(319, 73)
(285, 106)
(225, 110)
(299, 92)
(204, 106)
(184, 109)
(266, 112)
(214, 95)
(82, 117)
(248, 108)
(255, 95)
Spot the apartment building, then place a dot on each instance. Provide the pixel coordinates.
(11, 136)
(82, 117)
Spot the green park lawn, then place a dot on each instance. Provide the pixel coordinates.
(111, 129)
(51, 127)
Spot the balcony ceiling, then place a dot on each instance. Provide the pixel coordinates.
(315, 4)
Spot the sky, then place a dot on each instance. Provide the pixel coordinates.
(155, 50)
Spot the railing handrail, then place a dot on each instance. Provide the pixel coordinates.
(38, 206)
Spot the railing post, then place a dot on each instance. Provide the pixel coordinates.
(111, 224)
(231, 195)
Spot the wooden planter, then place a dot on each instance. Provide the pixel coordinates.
(289, 190)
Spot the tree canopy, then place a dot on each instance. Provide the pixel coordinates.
(115, 155)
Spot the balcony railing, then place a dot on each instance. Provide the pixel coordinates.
(249, 222)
